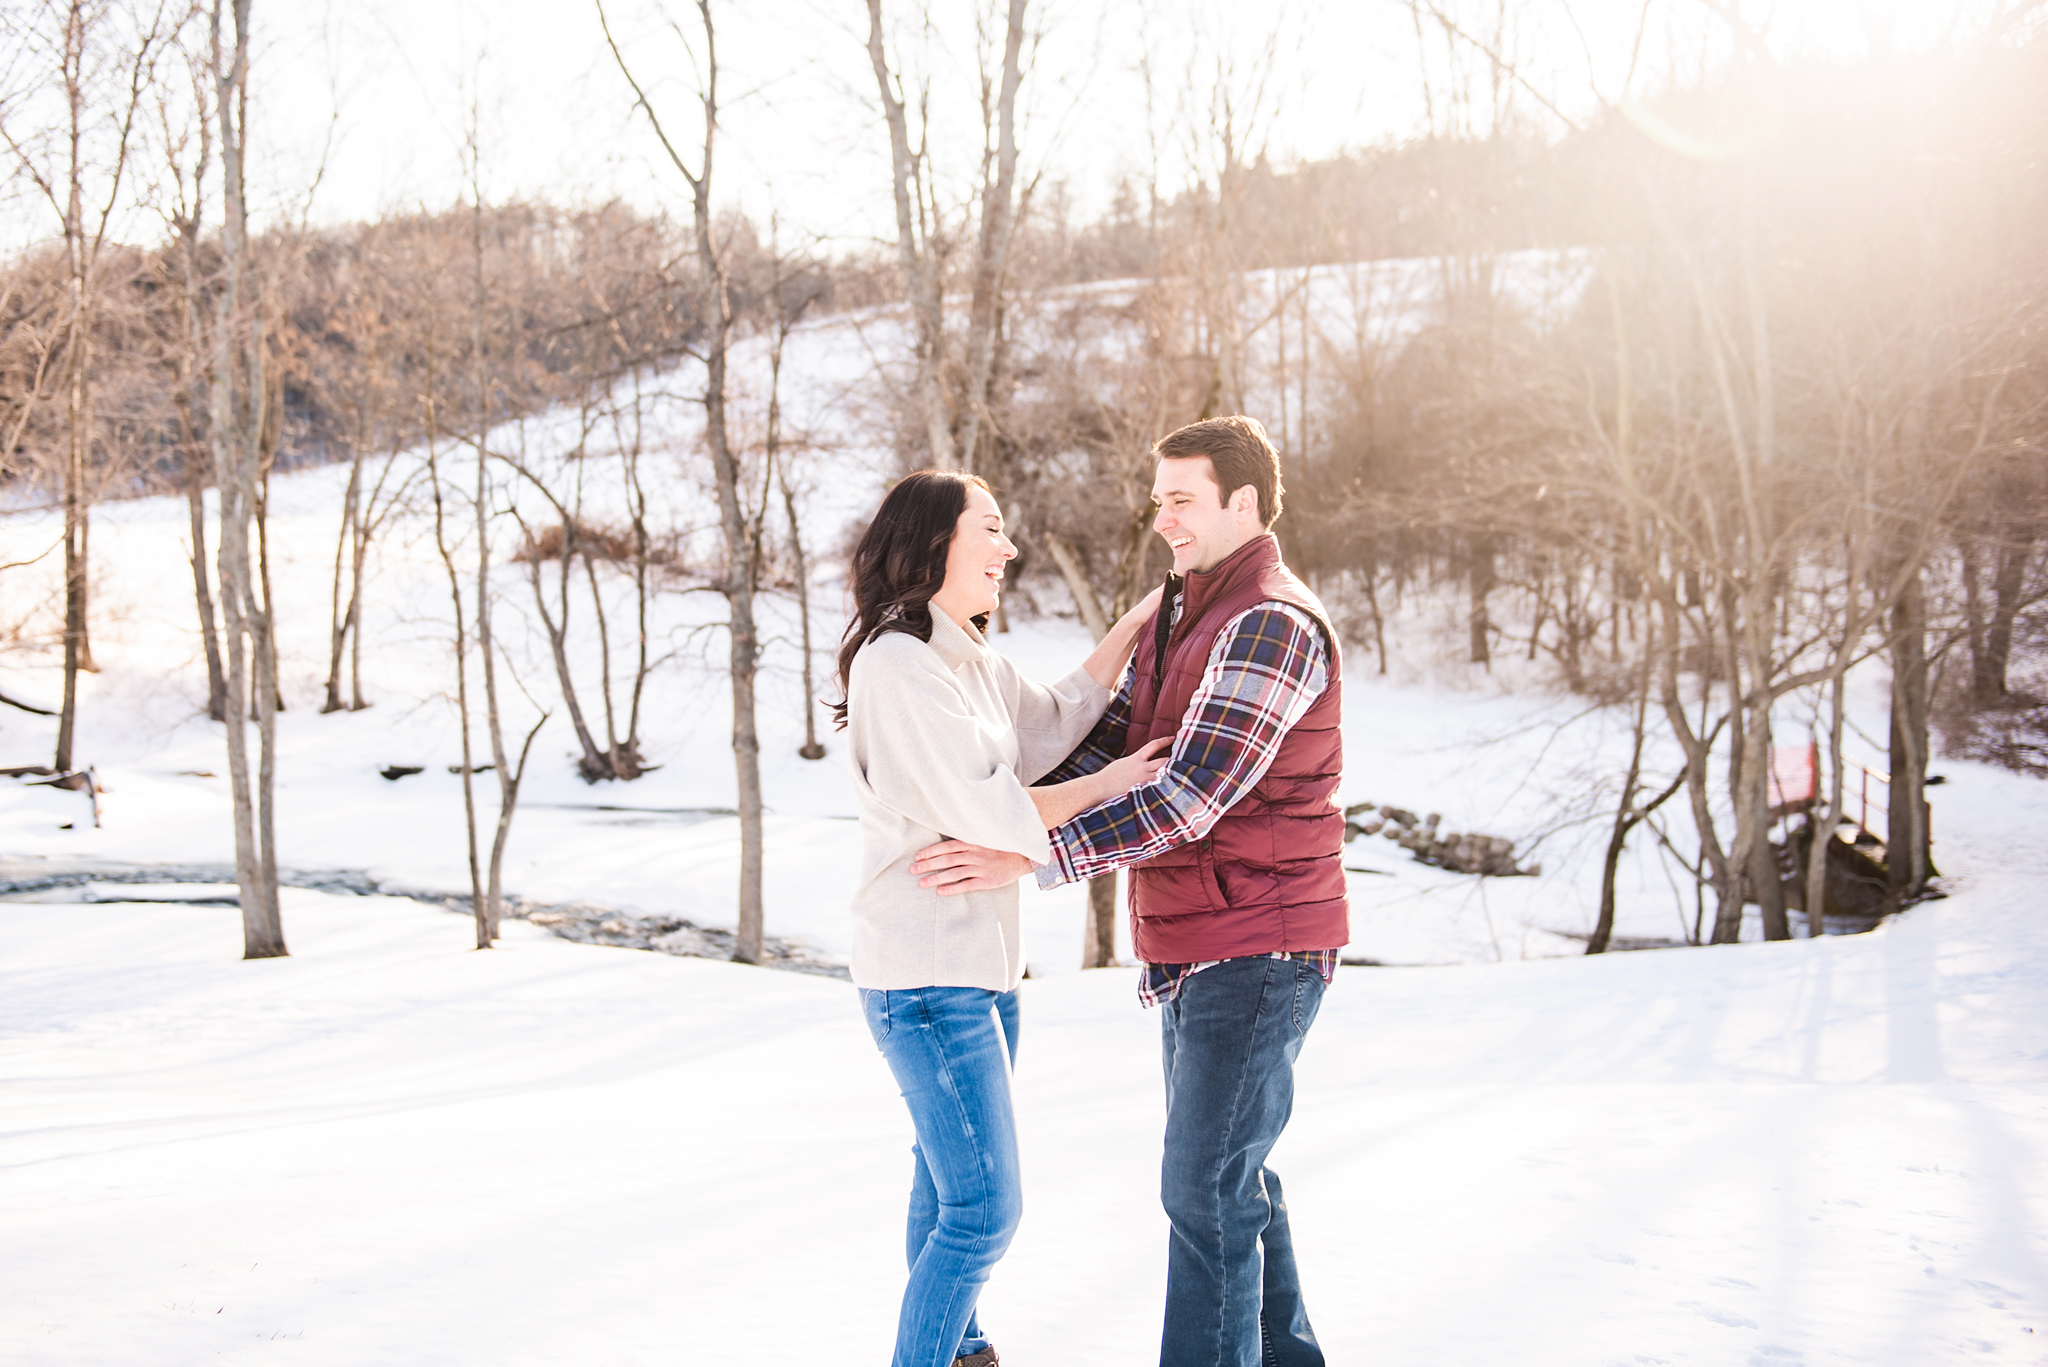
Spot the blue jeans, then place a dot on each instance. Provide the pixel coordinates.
(1233, 1296)
(951, 1049)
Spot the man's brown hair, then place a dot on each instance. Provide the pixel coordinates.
(1238, 451)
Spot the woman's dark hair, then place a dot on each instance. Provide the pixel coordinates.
(901, 562)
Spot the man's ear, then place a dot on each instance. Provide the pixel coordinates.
(1245, 500)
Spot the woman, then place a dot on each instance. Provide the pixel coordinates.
(945, 736)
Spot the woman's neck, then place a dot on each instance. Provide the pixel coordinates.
(939, 603)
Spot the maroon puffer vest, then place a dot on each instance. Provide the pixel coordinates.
(1270, 875)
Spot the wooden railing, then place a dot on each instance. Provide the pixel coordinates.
(1795, 787)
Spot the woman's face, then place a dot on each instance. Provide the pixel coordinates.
(975, 560)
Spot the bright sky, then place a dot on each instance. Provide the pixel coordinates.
(803, 131)
(380, 92)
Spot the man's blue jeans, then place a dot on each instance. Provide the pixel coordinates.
(951, 1049)
(1233, 1297)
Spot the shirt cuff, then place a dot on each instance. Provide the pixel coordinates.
(1059, 868)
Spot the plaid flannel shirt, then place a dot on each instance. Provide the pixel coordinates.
(1265, 669)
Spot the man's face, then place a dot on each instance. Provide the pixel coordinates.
(1200, 528)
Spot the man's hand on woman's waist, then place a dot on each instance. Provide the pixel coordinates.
(954, 867)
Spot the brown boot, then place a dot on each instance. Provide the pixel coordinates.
(985, 1358)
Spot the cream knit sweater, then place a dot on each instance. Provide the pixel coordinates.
(945, 736)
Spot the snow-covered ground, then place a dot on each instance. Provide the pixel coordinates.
(390, 1148)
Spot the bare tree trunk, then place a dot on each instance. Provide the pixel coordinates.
(356, 702)
(810, 749)
(78, 355)
(1766, 881)
(77, 652)
(266, 451)
(1719, 642)
(1982, 689)
(604, 663)
(1824, 821)
(1907, 853)
(2008, 583)
(339, 617)
(190, 359)
(237, 402)
(1098, 943)
(785, 322)
(489, 909)
(1625, 818)
(202, 592)
(592, 765)
(1092, 615)
(1697, 744)
(739, 581)
(1372, 600)
(917, 253)
(1098, 939)
(1769, 884)
(628, 763)
(1480, 582)
(368, 518)
(998, 216)
(478, 905)
(263, 650)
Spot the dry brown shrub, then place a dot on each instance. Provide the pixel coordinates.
(592, 539)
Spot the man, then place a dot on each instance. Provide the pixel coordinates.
(1238, 898)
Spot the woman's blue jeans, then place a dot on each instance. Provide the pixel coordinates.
(951, 1049)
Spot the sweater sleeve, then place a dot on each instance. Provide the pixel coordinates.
(1051, 719)
(925, 756)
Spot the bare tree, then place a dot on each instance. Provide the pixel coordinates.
(1629, 812)
(998, 220)
(792, 289)
(185, 214)
(738, 582)
(103, 65)
(488, 909)
(572, 537)
(920, 244)
(479, 904)
(954, 400)
(238, 398)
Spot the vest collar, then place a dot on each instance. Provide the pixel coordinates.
(1202, 587)
(957, 645)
